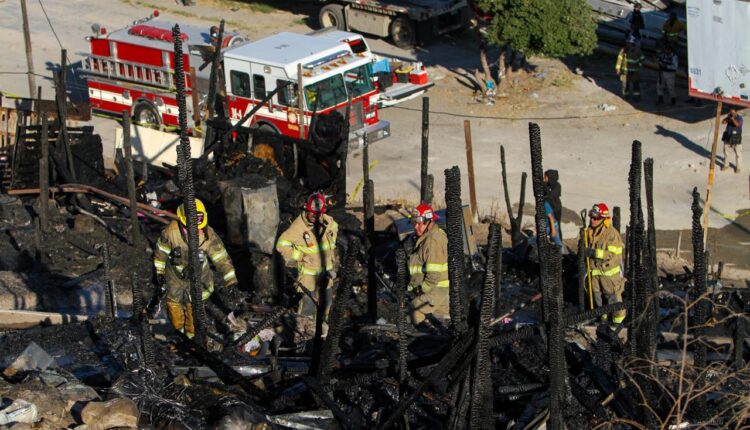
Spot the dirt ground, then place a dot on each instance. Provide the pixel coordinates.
(589, 146)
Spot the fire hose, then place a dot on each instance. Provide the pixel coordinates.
(151, 212)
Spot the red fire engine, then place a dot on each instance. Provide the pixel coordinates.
(133, 70)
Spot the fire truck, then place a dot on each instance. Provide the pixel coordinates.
(132, 70)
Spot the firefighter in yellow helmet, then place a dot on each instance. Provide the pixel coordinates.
(428, 267)
(171, 260)
(605, 256)
(312, 253)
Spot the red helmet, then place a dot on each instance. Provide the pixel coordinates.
(599, 211)
(316, 203)
(424, 213)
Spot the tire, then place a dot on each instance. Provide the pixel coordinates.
(332, 15)
(146, 115)
(403, 32)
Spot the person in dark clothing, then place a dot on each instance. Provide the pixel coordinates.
(636, 21)
(554, 192)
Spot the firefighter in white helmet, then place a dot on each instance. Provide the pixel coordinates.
(428, 266)
(171, 261)
(604, 252)
(309, 245)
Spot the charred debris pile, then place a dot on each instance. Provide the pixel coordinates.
(522, 349)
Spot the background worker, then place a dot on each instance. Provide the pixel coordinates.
(605, 260)
(428, 267)
(628, 68)
(309, 247)
(732, 139)
(171, 262)
(672, 29)
(667, 68)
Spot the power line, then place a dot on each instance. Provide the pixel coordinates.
(50, 24)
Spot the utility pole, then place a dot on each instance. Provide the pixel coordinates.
(27, 42)
(711, 169)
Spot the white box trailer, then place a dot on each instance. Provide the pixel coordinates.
(719, 50)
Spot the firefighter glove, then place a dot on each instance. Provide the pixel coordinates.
(161, 280)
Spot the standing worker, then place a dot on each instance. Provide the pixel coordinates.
(636, 24)
(171, 260)
(667, 69)
(732, 139)
(309, 246)
(604, 252)
(428, 267)
(672, 29)
(628, 68)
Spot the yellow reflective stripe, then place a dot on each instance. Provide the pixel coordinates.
(617, 250)
(229, 275)
(160, 264)
(444, 284)
(205, 294)
(327, 247)
(599, 254)
(436, 268)
(618, 319)
(284, 242)
(305, 271)
(218, 256)
(413, 270)
(610, 272)
(163, 247)
(296, 254)
(190, 335)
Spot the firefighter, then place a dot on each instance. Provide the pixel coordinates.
(428, 267)
(628, 68)
(171, 261)
(604, 253)
(309, 246)
(672, 29)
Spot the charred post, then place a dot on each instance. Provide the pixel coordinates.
(402, 279)
(481, 396)
(700, 315)
(110, 297)
(128, 155)
(650, 278)
(550, 261)
(425, 191)
(44, 175)
(331, 348)
(635, 245)
(185, 173)
(582, 271)
(368, 198)
(454, 230)
(616, 218)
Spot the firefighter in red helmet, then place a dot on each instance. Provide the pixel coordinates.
(604, 252)
(428, 266)
(309, 246)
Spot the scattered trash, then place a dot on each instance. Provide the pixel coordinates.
(119, 412)
(32, 358)
(541, 75)
(606, 107)
(20, 411)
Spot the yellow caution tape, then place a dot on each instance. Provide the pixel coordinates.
(733, 217)
(361, 181)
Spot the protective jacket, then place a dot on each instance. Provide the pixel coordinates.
(672, 29)
(607, 243)
(428, 267)
(629, 61)
(171, 260)
(299, 244)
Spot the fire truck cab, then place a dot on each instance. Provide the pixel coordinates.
(334, 78)
(132, 69)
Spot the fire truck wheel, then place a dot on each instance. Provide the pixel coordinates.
(403, 32)
(332, 15)
(147, 116)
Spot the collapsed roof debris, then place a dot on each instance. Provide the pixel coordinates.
(519, 350)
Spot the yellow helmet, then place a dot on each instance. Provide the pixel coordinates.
(200, 208)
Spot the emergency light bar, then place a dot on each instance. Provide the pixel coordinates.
(327, 59)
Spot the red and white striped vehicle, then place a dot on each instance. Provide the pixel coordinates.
(132, 70)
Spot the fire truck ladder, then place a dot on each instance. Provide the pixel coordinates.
(161, 77)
